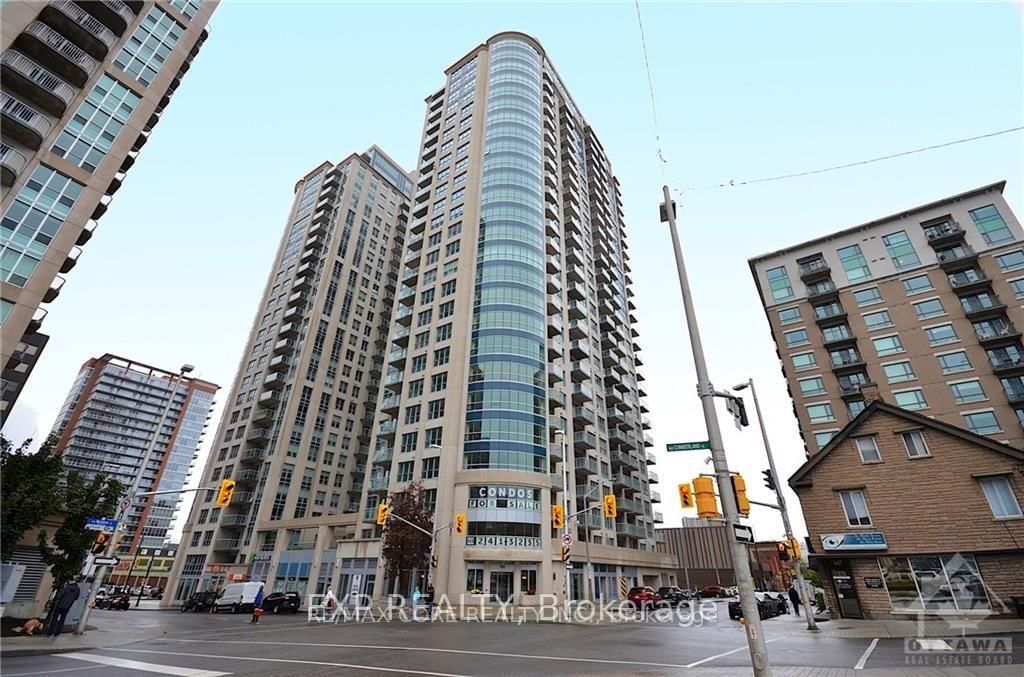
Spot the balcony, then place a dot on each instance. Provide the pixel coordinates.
(995, 332)
(11, 164)
(581, 393)
(851, 389)
(242, 498)
(943, 233)
(23, 123)
(822, 291)
(585, 466)
(53, 51)
(650, 458)
(226, 544)
(969, 280)
(1006, 363)
(246, 476)
(982, 305)
(655, 497)
(71, 260)
(584, 416)
(634, 530)
(258, 435)
(380, 483)
(269, 398)
(394, 377)
(302, 283)
(383, 455)
(555, 400)
(554, 325)
(262, 416)
(581, 370)
(255, 455)
(279, 363)
(850, 361)
(622, 459)
(555, 451)
(955, 258)
(83, 28)
(404, 316)
(1014, 392)
(814, 269)
(557, 482)
(285, 347)
(234, 520)
(388, 427)
(390, 402)
(829, 314)
(648, 441)
(38, 85)
(401, 336)
(583, 440)
(51, 294)
(114, 14)
(556, 374)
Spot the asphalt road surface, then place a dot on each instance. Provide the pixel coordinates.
(204, 645)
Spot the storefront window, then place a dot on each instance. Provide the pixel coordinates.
(528, 580)
(934, 583)
(474, 577)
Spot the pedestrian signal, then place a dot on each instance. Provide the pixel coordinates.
(99, 546)
(224, 494)
(557, 516)
(611, 508)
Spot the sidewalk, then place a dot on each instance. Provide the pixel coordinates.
(114, 632)
(854, 629)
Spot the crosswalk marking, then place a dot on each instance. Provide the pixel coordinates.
(146, 667)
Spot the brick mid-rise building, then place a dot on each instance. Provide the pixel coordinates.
(910, 515)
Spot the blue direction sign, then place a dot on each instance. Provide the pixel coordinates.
(101, 524)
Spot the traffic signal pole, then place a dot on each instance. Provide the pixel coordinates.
(706, 391)
(805, 596)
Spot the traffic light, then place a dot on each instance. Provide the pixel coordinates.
(739, 488)
(565, 553)
(783, 551)
(224, 494)
(795, 545)
(704, 489)
(769, 479)
(460, 524)
(738, 410)
(685, 496)
(611, 508)
(99, 546)
(383, 509)
(557, 516)
(433, 561)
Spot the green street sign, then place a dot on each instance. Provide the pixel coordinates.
(688, 446)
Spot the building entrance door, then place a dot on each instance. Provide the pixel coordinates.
(501, 586)
(846, 593)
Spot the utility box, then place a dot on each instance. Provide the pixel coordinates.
(10, 578)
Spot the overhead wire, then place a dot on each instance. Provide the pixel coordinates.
(650, 88)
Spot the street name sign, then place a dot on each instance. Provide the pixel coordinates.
(101, 524)
(743, 533)
(688, 446)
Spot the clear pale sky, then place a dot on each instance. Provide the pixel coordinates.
(177, 266)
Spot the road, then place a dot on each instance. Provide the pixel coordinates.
(204, 645)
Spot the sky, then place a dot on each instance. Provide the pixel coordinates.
(176, 269)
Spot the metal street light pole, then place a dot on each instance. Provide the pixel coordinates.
(565, 508)
(805, 597)
(706, 391)
(131, 494)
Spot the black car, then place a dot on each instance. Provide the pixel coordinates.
(276, 602)
(766, 608)
(119, 602)
(673, 595)
(778, 601)
(199, 601)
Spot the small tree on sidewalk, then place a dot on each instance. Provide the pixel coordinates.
(404, 547)
(81, 499)
(30, 489)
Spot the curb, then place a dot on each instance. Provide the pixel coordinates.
(47, 647)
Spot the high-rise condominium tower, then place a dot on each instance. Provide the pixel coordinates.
(84, 84)
(923, 305)
(129, 420)
(296, 428)
(514, 327)
(512, 324)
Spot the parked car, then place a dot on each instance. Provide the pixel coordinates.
(199, 601)
(643, 597)
(765, 608)
(711, 591)
(778, 602)
(237, 597)
(673, 595)
(276, 602)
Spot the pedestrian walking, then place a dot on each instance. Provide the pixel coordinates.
(794, 597)
(257, 606)
(62, 603)
(429, 599)
(330, 601)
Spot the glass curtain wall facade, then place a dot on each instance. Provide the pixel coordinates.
(505, 418)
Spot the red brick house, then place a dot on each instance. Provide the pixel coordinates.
(909, 515)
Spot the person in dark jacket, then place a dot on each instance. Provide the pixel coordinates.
(429, 599)
(62, 604)
(794, 597)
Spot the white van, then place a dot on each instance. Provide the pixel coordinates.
(236, 597)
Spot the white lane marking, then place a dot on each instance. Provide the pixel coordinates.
(50, 672)
(352, 666)
(146, 667)
(725, 653)
(934, 644)
(379, 647)
(866, 655)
